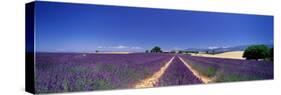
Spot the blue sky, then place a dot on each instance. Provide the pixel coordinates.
(83, 28)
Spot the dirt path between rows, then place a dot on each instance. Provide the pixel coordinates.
(196, 73)
(151, 81)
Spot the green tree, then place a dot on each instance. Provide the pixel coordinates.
(256, 52)
(271, 53)
(146, 51)
(180, 52)
(156, 49)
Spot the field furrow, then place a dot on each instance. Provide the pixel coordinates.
(178, 74)
(151, 81)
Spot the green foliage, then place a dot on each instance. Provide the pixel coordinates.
(211, 71)
(80, 83)
(156, 49)
(256, 52)
(271, 53)
(235, 77)
(204, 69)
(65, 85)
(180, 51)
(146, 51)
(196, 52)
(101, 84)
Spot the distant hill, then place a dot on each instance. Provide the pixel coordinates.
(223, 49)
(196, 49)
(235, 48)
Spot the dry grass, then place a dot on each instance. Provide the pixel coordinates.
(231, 55)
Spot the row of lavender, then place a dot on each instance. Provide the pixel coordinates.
(64, 72)
(226, 70)
(178, 74)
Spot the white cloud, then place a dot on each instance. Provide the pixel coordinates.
(225, 46)
(213, 47)
(136, 47)
(101, 47)
(120, 47)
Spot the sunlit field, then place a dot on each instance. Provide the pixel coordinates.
(61, 72)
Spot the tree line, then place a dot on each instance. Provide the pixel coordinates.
(258, 52)
(254, 52)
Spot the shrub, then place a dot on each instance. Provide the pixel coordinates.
(180, 51)
(271, 53)
(156, 49)
(146, 51)
(256, 52)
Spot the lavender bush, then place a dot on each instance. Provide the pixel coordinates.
(178, 74)
(225, 70)
(65, 72)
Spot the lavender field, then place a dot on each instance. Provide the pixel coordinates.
(64, 72)
(67, 72)
(178, 74)
(228, 70)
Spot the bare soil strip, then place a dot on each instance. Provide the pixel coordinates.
(151, 81)
(196, 73)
